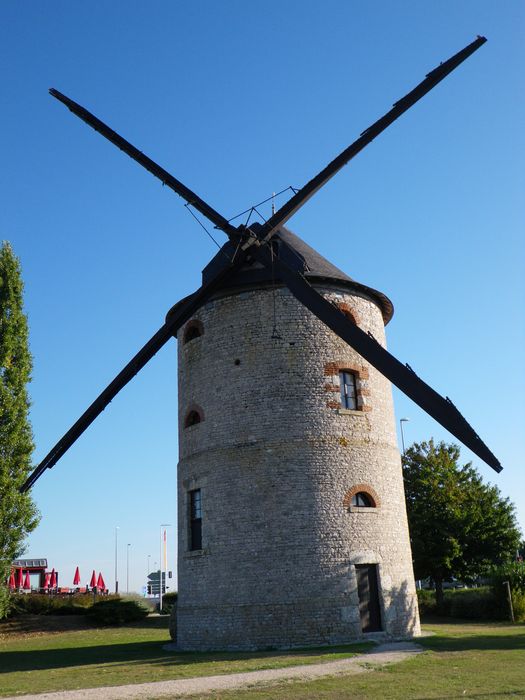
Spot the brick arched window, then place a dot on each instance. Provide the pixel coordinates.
(362, 499)
(361, 496)
(194, 329)
(194, 415)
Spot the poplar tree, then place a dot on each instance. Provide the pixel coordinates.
(18, 514)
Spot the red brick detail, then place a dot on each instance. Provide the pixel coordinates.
(332, 368)
(370, 492)
(333, 404)
(349, 312)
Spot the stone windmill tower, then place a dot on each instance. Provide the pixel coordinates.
(292, 524)
(292, 527)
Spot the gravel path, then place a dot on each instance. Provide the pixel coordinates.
(381, 655)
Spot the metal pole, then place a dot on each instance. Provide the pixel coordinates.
(148, 568)
(160, 572)
(127, 568)
(116, 559)
(401, 421)
(161, 560)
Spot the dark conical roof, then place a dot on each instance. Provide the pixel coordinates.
(316, 268)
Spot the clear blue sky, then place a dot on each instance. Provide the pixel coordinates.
(239, 99)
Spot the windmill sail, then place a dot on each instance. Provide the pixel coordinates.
(255, 245)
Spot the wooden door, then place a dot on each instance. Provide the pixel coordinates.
(368, 593)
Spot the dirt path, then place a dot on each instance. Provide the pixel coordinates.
(381, 655)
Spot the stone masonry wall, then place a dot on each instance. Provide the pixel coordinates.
(276, 457)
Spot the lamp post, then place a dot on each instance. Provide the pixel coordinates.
(147, 568)
(116, 558)
(163, 555)
(127, 568)
(401, 421)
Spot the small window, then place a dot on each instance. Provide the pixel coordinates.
(192, 418)
(362, 500)
(195, 505)
(348, 384)
(194, 329)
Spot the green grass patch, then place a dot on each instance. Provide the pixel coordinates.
(462, 660)
(91, 658)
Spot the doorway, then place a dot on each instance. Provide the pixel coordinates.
(368, 593)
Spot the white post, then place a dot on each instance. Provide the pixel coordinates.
(160, 572)
(116, 558)
(127, 568)
(161, 560)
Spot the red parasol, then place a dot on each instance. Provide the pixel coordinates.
(53, 579)
(100, 583)
(12, 584)
(76, 579)
(47, 579)
(93, 581)
(19, 579)
(27, 582)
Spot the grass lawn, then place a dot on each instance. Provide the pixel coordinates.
(87, 658)
(461, 661)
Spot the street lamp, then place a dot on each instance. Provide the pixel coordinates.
(127, 568)
(116, 560)
(148, 569)
(401, 421)
(163, 556)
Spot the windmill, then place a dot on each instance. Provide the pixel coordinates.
(265, 257)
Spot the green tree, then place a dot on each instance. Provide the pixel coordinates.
(459, 526)
(18, 515)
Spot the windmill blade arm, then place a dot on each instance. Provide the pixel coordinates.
(303, 195)
(99, 404)
(441, 409)
(166, 178)
(176, 319)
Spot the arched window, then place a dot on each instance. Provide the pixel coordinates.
(361, 499)
(194, 329)
(193, 417)
(361, 496)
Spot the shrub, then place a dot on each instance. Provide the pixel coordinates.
(518, 604)
(42, 604)
(117, 612)
(147, 603)
(427, 602)
(464, 603)
(472, 604)
(169, 600)
(514, 573)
